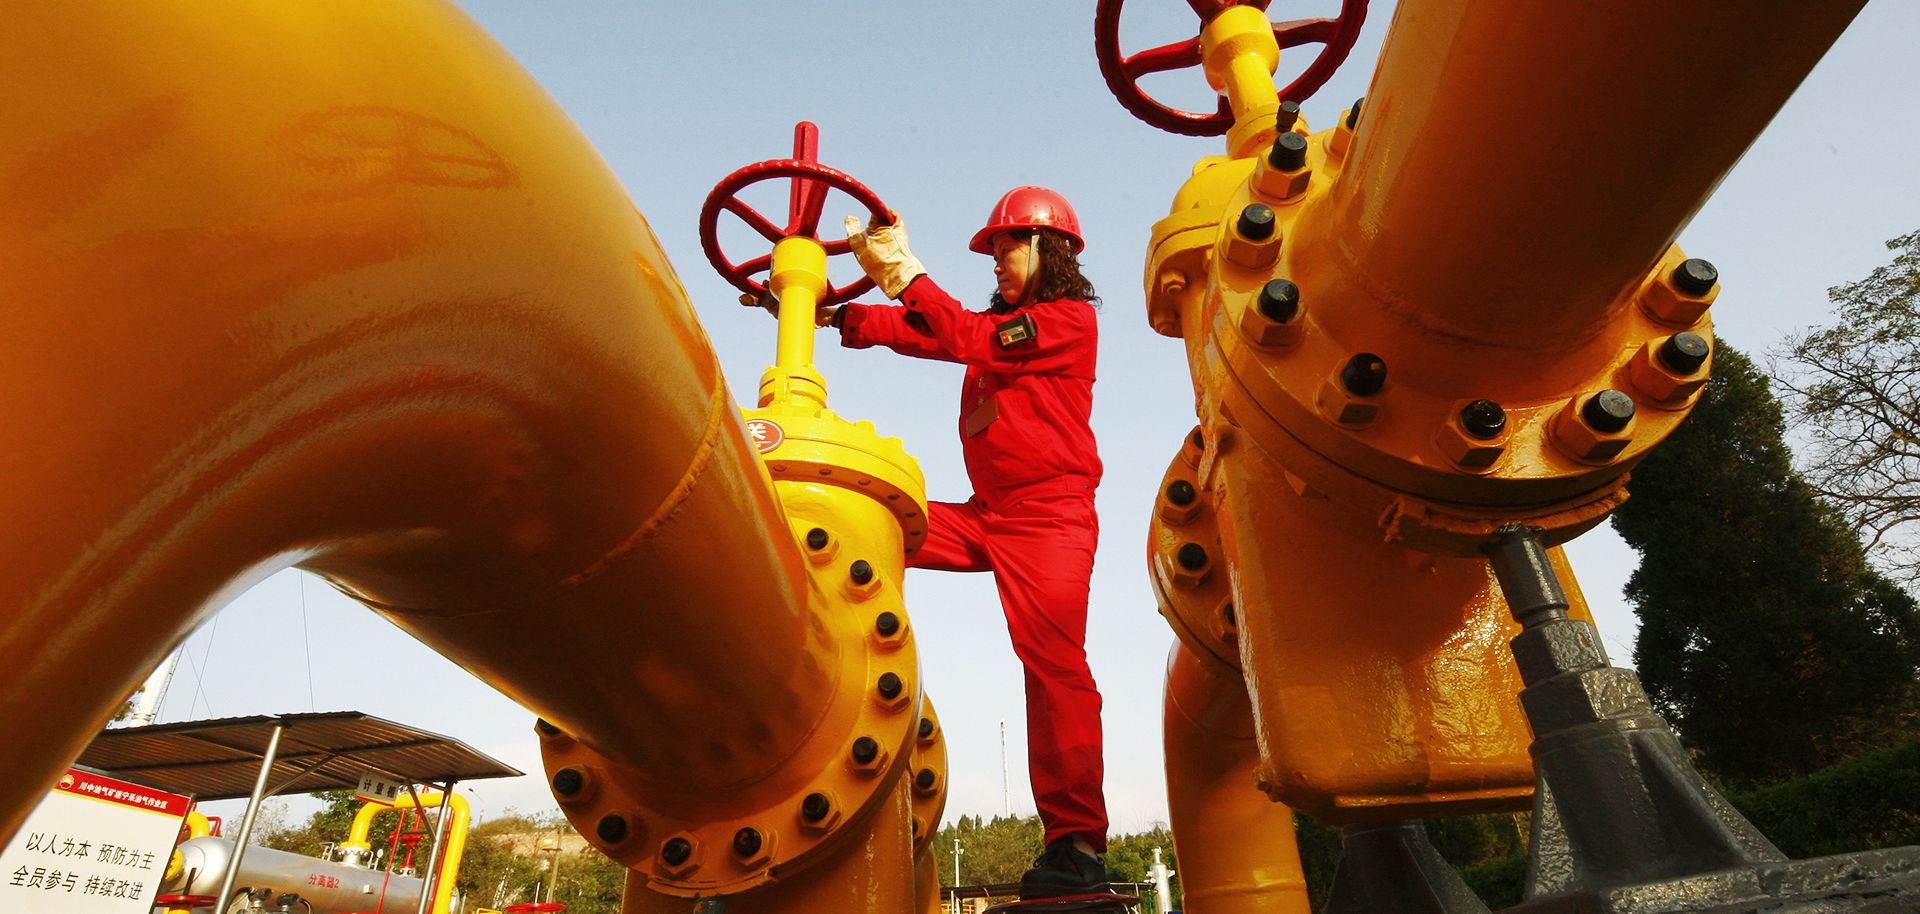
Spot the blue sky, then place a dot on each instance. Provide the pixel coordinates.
(939, 108)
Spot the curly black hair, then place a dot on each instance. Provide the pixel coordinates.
(1060, 276)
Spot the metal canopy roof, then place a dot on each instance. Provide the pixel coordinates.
(220, 759)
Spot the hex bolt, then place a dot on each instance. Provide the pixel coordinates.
(860, 571)
(1695, 276)
(924, 780)
(1288, 115)
(1181, 492)
(1364, 374)
(887, 624)
(1279, 299)
(1289, 152)
(926, 727)
(1684, 352)
(1353, 113)
(817, 539)
(889, 686)
(865, 749)
(1192, 556)
(546, 729)
(613, 829)
(568, 781)
(1256, 222)
(747, 842)
(1608, 411)
(1483, 419)
(676, 851)
(815, 807)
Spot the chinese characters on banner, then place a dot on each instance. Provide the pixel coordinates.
(95, 845)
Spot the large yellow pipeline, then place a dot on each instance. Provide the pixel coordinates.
(336, 285)
(1523, 165)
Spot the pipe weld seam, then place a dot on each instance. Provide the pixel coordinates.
(702, 457)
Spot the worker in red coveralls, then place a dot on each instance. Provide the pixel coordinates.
(1030, 453)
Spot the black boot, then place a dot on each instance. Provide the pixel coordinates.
(1062, 869)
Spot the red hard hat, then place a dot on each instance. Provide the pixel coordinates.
(1029, 208)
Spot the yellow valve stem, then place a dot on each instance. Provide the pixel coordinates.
(1240, 55)
(798, 280)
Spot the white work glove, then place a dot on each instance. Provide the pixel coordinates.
(882, 252)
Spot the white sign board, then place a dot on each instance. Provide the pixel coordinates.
(95, 845)
(376, 789)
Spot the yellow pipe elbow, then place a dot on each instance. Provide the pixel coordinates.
(1236, 848)
(336, 285)
(456, 837)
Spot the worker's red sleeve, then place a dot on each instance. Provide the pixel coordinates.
(892, 326)
(1058, 330)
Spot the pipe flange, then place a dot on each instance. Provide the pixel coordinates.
(927, 769)
(716, 844)
(1380, 447)
(1186, 558)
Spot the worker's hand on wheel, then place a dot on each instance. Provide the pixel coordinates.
(882, 252)
(765, 301)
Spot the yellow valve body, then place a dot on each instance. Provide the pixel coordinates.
(1473, 228)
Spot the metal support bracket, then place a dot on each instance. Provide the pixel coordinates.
(1392, 867)
(1622, 823)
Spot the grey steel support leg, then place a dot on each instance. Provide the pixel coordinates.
(1391, 868)
(1622, 823)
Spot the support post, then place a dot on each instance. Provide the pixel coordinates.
(253, 809)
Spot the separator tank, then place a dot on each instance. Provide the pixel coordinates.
(332, 888)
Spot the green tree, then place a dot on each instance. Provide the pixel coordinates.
(1854, 391)
(1765, 638)
(1129, 858)
(993, 852)
(590, 883)
(492, 873)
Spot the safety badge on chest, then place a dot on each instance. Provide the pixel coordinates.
(1016, 331)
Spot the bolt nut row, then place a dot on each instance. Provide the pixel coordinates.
(1671, 370)
(1283, 175)
(1475, 436)
(1192, 566)
(1346, 398)
(1594, 428)
(1273, 321)
(821, 546)
(1679, 297)
(1254, 241)
(1343, 134)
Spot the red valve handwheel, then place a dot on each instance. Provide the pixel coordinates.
(1123, 73)
(811, 181)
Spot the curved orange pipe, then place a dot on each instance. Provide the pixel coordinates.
(1236, 849)
(336, 285)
